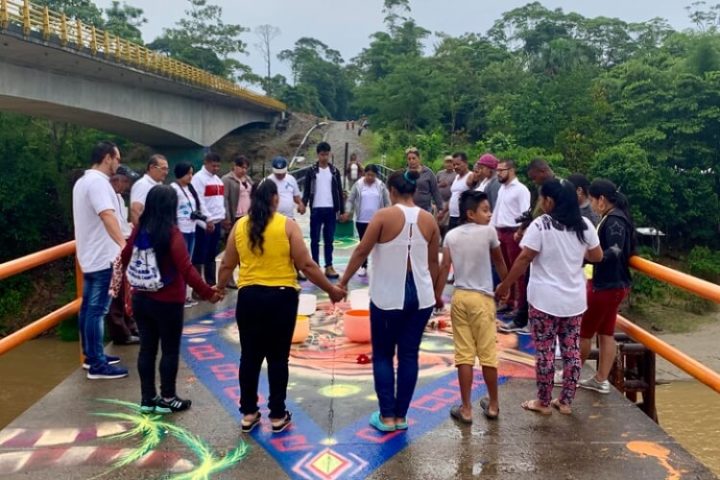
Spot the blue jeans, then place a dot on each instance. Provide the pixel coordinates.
(401, 329)
(322, 218)
(95, 305)
(189, 242)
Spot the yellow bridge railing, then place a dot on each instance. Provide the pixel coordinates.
(74, 34)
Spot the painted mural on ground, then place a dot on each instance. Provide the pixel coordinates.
(331, 392)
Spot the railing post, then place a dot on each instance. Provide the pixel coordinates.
(106, 44)
(4, 15)
(63, 30)
(26, 17)
(93, 40)
(46, 23)
(117, 49)
(79, 35)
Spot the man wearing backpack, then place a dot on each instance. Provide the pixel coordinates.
(99, 242)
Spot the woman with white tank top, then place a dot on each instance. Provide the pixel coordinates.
(404, 243)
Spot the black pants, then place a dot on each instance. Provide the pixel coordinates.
(160, 323)
(453, 222)
(266, 319)
(205, 251)
(362, 228)
(324, 219)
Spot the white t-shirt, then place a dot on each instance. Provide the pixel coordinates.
(93, 194)
(287, 191)
(323, 188)
(140, 189)
(354, 171)
(470, 246)
(557, 281)
(370, 201)
(458, 186)
(122, 213)
(186, 205)
(512, 201)
(211, 191)
(483, 185)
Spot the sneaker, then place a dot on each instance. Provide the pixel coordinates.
(331, 273)
(106, 371)
(513, 327)
(111, 360)
(592, 384)
(175, 404)
(131, 340)
(189, 302)
(558, 378)
(148, 406)
(362, 272)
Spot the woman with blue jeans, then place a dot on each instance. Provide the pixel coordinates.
(404, 241)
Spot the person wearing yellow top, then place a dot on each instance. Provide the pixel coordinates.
(268, 248)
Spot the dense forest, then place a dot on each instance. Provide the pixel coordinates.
(638, 103)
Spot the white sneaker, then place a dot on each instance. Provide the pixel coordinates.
(362, 271)
(189, 302)
(592, 384)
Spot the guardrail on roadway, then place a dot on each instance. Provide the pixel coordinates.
(70, 33)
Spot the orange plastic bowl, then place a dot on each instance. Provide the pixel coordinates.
(302, 329)
(357, 325)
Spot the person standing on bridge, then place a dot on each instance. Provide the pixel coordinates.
(155, 174)
(427, 191)
(404, 241)
(323, 193)
(368, 195)
(99, 242)
(445, 178)
(611, 279)
(458, 186)
(159, 313)
(288, 191)
(207, 234)
(555, 245)
(485, 178)
(268, 248)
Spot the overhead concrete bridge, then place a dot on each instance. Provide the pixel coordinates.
(60, 69)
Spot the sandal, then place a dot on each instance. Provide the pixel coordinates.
(534, 406)
(248, 426)
(377, 423)
(485, 405)
(561, 407)
(455, 413)
(284, 423)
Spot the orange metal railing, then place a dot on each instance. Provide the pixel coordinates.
(88, 39)
(52, 319)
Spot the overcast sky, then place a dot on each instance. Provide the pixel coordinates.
(346, 24)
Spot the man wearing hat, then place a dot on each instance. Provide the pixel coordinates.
(288, 190)
(484, 178)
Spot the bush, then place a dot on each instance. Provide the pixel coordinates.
(705, 263)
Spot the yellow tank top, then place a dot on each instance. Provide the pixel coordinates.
(272, 268)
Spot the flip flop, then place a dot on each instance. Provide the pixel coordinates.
(248, 427)
(562, 408)
(285, 423)
(455, 413)
(378, 424)
(531, 405)
(485, 405)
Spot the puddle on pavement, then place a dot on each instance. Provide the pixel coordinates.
(690, 412)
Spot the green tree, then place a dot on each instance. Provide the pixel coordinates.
(125, 21)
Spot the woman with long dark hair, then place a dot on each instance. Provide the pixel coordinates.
(159, 314)
(268, 247)
(611, 279)
(404, 241)
(555, 245)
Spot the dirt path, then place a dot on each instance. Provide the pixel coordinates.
(337, 136)
(703, 345)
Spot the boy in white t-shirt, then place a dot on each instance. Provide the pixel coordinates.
(469, 248)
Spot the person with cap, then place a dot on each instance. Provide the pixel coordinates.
(288, 190)
(484, 178)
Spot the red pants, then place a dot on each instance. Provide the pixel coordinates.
(510, 251)
(601, 314)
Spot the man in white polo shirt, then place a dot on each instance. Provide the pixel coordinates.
(99, 242)
(211, 191)
(512, 201)
(155, 174)
(288, 190)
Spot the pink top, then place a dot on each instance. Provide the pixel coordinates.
(244, 197)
